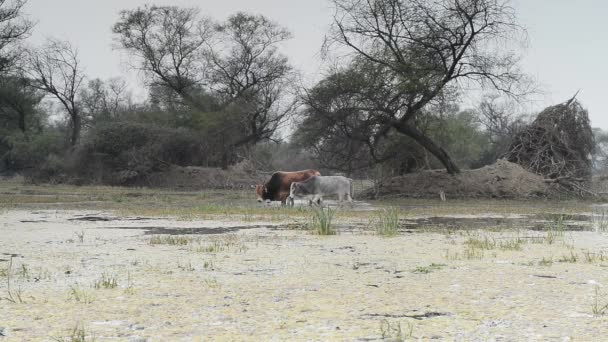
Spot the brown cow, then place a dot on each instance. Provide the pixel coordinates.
(277, 188)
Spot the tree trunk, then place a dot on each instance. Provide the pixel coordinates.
(22, 126)
(436, 150)
(76, 125)
(225, 162)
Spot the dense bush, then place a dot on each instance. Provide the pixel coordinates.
(118, 153)
(22, 152)
(129, 152)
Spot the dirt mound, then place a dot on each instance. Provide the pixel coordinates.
(198, 178)
(502, 179)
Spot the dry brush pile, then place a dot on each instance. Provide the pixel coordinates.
(557, 145)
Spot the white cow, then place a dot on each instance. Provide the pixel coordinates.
(316, 187)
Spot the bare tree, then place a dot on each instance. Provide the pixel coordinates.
(430, 47)
(499, 117)
(104, 100)
(56, 70)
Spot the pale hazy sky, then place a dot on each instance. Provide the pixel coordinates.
(568, 40)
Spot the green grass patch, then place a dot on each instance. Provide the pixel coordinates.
(572, 258)
(396, 331)
(387, 222)
(592, 257)
(106, 282)
(545, 262)
(76, 334)
(472, 252)
(80, 295)
(172, 240)
(321, 221)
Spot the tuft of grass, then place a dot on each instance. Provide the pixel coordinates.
(321, 222)
(555, 230)
(428, 269)
(185, 267)
(80, 295)
(591, 257)
(130, 289)
(545, 262)
(451, 256)
(212, 283)
(77, 334)
(222, 244)
(171, 240)
(387, 222)
(215, 247)
(514, 244)
(485, 243)
(24, 271)
(80, 236)
(489, 243)
(472, 252)
(394, 331)
(106, 282)
(600, 221)
(13, 295)
(208, 265)
(572, 258)
(598, 307)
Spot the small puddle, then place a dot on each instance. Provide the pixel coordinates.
(12, 255)
(532, 222)
(109, 218)
(426, 315)
(535, 222)
(192, 231)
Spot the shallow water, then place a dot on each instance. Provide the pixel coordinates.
(537, 222)
(532, 222)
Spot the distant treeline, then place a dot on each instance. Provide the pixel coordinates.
(222, 93)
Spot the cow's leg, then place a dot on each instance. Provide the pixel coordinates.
(351, 201)
(340, 199)
(318, 199)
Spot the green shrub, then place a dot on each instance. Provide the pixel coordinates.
(27, 152)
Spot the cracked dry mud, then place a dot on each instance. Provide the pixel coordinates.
(262, 281)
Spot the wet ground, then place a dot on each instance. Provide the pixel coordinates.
(186, 266)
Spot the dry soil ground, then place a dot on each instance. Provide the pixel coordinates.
(97, 263)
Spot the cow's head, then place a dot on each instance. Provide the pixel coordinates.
(260, 192)
(294, 189)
